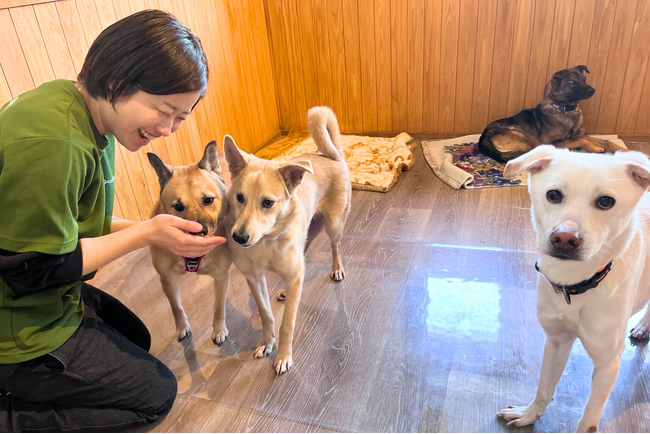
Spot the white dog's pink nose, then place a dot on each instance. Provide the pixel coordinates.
(565, 240)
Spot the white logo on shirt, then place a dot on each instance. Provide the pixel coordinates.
(109, 181)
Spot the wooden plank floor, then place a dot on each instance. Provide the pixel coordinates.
(433, 329)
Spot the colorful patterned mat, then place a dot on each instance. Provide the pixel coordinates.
(485, 171)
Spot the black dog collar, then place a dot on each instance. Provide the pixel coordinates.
(578, 288)
(565, 108)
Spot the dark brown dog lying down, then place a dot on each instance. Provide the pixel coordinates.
(557, 120)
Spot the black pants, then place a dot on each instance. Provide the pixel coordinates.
(101, 379)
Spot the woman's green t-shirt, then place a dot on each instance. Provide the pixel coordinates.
(56, 186)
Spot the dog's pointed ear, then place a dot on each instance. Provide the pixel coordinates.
(533, 162)
(163, 171)
(236, 158)
(210, 160)
(293, 173)
(582, 68)
(637, 166)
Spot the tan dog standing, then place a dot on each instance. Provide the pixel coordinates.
(277, 208)
(195, 192)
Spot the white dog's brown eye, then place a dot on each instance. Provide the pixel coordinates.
(554, 196)
(240, 198)
(267, 203)
(605, 202)
(208, 200)
(178, 207)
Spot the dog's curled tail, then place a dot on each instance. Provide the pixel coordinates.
(324, 128)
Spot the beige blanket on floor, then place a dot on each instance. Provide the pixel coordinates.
(375, 163)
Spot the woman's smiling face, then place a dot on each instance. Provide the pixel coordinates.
(142, 117)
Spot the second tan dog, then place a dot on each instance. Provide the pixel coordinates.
(277, 208)
(197, 193)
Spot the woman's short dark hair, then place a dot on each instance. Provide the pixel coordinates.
(149, 51)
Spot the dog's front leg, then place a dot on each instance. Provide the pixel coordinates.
(257, 285)
(173, 295)
(556, 353)
(602, 381)
(219, 330)
(293, 280)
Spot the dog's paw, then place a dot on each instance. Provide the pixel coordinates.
(640, 331)
(219, 335)
(183, 331)
(282, 363)
(281, 295)
(264, 349)
(338, 274)
(520, 416)
(584, 426)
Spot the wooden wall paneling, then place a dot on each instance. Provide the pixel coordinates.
(561, 39)
(322, 50)
(616, 64)
(138, 5)
(337, 62)
(278, 43)
(353, 64)
(487, 16)
(415, 26)
(294, 57)
(305, 27)
(239, 103)
(601, 33)
(449, 63)
(643, 118)
(538, 65)
(383, 61)
(399, 63)
(269, 115)
(6, 4)
(32, 43)
(240, 19)
(635, 73)
(521, 49)
(503, 40)
(431, 61)
(12, 58)
(124, 192)
(583, 18)
(367, 38)
(90, 20)
(465, 70)
(5, 93)
(72, 31)
(55, 42)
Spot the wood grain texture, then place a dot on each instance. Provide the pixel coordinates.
(458, 64)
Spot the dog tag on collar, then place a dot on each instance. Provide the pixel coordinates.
(192, 264)
(567, 296)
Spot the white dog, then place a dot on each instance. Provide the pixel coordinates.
(591, 215)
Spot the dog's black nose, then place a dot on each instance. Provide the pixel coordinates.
(565, 241)
(240, 239)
